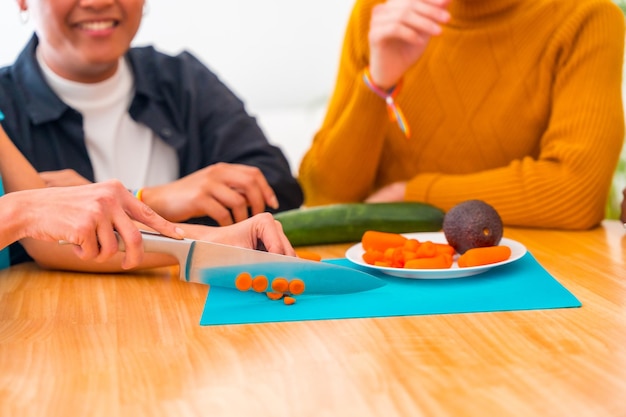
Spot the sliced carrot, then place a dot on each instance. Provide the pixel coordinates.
(296, 286)
(484, 256)
(408, 255)
(388, 254)
(381, 241)
(280, 285)
(307, 254)
(441, 261)
(371, 256)
(260, 283)
(426, 250)
(274, 295)
(397, 258)
(411, 245)
(243, 281)
(289, 300)
(448, 259)
(444, 248)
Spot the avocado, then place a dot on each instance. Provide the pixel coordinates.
(472, 224)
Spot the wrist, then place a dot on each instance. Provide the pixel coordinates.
(144, 195)
(150, 197)
(389, 96)
(139, 194)
(379, 82)
(14, 215)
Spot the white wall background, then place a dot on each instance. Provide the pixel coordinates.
(279, 56)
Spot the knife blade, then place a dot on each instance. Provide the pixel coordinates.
(218, 264)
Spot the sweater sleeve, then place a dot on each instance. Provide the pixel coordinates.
(566, 186)
(341, 164)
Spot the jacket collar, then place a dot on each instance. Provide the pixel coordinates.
(41, 103)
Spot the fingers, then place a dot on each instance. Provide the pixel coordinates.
(225, 192)
(133, 247)
(399, 33)
(226, 204)
(219, 212)
(101, 244)
(108, 245)
(144, 214)
(128, 209)
(270, 232)
(409, 21)
(391, 192)
(105, 208)
(250, 183)
(86, 245)
(287, 247)
(247, 234)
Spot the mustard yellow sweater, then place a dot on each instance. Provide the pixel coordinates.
(517, 103)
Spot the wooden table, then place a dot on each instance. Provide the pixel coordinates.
(130, 345)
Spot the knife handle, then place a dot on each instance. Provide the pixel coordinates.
(157, 243)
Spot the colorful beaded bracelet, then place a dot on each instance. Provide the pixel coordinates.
(395, 114)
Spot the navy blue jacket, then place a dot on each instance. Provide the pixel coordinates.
(177, 97)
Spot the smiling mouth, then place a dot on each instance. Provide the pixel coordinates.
(99, 25)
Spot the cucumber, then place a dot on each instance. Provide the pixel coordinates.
(341, 223)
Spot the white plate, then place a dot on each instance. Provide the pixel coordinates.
(355, 255)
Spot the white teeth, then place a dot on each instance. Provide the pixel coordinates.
(97, 25)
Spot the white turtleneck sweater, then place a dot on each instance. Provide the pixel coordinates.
(118, 146)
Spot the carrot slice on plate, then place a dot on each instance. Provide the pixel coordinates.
(484, 256)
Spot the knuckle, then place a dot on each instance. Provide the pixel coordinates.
(265, 217)
(147, 210)
(133, 238)
(106, 251)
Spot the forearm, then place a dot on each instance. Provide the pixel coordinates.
(342, 163)
(526, 193)
(51, 255)
(17, 172)
(11, 219)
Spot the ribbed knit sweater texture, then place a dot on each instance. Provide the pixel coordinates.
(517, 103)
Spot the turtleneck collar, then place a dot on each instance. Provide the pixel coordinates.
(474, 11)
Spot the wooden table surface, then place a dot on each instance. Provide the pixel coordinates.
(131, 345)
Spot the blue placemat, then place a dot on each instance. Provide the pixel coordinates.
(521, 285)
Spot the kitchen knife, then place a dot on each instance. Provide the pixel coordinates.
(217, 264)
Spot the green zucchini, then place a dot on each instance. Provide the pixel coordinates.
(340, 223)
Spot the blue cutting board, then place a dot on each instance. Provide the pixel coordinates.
(521, 285)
